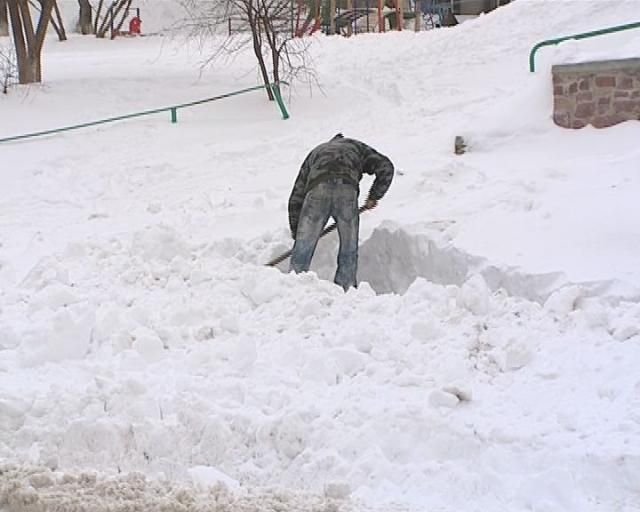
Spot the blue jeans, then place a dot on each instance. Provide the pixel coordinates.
(337, 199)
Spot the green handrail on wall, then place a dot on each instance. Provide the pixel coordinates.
(173, 110)
(583, 35)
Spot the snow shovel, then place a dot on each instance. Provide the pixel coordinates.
(326, 231)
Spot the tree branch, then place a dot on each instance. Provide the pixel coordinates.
(27, 24)
(45, 17)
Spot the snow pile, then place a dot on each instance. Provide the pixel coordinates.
(37, 488)
(175, 359)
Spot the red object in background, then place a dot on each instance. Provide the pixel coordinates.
(135, 26)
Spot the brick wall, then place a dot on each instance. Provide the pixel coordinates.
(598, 93)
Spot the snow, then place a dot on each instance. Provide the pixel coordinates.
(487, 361)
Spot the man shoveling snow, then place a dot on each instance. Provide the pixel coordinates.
(328, 185)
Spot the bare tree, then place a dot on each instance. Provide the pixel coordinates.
(8, 69)
(4, 19)
(58, 25)
(28, 41)
(97, 18)
(85, 17)
(289, 53)
(118, 10)
(126, 6)
(267, 26)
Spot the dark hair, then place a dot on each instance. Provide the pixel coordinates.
(338, 136)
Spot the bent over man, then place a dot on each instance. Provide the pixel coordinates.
(328, 185)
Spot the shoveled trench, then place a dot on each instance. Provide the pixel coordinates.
(393, 257)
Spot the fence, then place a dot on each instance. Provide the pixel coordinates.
(172, 109)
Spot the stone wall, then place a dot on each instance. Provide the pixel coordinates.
(598, 93)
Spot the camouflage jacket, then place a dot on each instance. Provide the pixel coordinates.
(344, 158)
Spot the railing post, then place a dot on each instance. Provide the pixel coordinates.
(532, 58)
(174, 115)
(276, 93)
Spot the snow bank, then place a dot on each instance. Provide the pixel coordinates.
(196, 360)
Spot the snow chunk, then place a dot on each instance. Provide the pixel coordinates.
(625, 330)
(563, 301)
(261, 291)
(474, 295)
(54, 297)
(290, 436)
(593, 312)
(12, 414)
(517, 357)
(337, 490)
(67, 336)
(41, 480)
(148, 344)
(513, 357)
(349, 362)
(628, 325)
(159, 243)
(441, 398)
(460, 391)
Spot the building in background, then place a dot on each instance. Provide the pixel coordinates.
(475, 7)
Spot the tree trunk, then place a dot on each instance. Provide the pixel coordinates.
(85, 17)
(104, 26)
(31, 72)
(59, 28)
(97, 18)
(254, 22)
(332, 17)
(275, 59)
(4, 19)
(125, 12)
(27, 41)
(110, 17)
(19, 40)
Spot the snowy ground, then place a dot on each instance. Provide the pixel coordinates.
(139, 331)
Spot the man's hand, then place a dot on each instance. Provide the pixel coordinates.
(370, 204)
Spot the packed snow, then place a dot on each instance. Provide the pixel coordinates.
(488, 360)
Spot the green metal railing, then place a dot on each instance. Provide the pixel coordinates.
(584, 35)
(275, 88)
